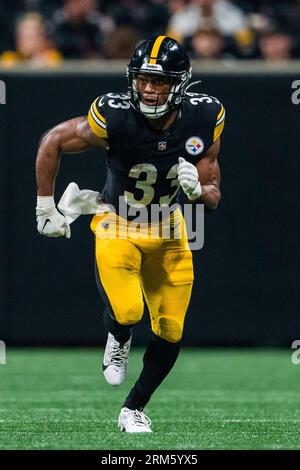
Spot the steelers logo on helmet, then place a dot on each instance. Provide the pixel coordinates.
(159, 56)
(194, 145)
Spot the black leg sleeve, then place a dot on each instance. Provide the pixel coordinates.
(121, 333)
(159, 358)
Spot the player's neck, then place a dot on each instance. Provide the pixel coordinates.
(163, 122)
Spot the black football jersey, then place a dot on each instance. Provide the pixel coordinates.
(141, 162)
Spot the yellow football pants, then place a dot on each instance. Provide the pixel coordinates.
(145, 261)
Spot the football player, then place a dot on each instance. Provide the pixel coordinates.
(159, 139)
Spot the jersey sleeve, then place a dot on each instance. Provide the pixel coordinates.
(96, 118)
(214, 118)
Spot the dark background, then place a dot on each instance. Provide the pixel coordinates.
(247, 274)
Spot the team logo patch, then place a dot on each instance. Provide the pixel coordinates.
(194, 145)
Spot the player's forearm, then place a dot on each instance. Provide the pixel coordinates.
(71, 136)
(210, 196)
(47, 164)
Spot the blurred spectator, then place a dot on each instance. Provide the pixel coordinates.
(32, 44)
(285, 15)
(111, 29)
(77, 29)
(186, 17)
(275, 45)
(121, 43)
(207, 43)
(222, 14)
(148, 17)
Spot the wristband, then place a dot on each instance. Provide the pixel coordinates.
(45, 202)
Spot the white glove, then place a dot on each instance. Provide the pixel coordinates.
(49, 221)
(189, 179)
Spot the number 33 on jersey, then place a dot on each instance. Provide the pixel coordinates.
(142, 163)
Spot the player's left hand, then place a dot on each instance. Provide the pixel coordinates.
(189, 179)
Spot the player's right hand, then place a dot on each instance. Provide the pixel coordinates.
(50, 222)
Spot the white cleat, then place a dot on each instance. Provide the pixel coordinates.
(115, 360)
(133, 421)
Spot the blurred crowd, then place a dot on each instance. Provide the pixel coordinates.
(46, 32)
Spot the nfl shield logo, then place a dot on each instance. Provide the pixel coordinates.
(162, 146)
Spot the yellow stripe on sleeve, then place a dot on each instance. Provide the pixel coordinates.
(155, 49)
(220, 113)
(102, 118)
(219, 123)
(218, 130)
(98, 130)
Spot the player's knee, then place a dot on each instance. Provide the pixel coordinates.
(131, 314)
(169, 330)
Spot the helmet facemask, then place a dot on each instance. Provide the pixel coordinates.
(178, 85)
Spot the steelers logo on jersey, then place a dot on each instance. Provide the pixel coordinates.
(194, 145)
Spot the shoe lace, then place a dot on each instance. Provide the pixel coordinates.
(140, 419)
(118, 354)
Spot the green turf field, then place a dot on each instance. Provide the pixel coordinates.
(213, 399)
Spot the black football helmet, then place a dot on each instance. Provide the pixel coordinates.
(159, 56)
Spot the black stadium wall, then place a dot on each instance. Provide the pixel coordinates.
(246, 289)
